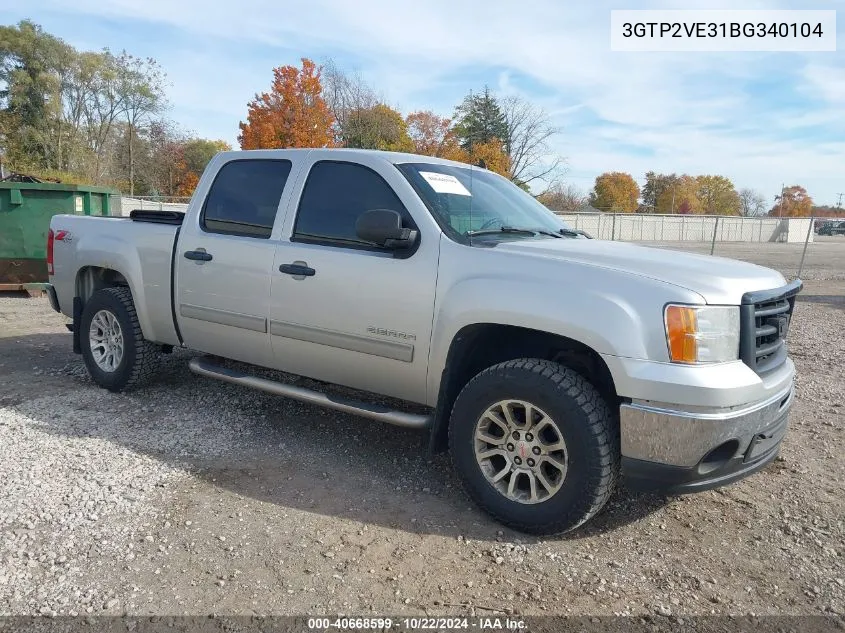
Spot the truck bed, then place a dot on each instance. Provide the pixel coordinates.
(140, 248)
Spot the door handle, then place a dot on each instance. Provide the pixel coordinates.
(297, 270)
(199, 256)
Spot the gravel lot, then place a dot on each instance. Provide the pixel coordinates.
(192, 497)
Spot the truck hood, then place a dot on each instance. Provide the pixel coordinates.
(718, 280)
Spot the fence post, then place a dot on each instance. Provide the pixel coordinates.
(613, 228)
(806, 241)
(715, 228)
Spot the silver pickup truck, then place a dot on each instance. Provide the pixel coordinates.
(546, 362)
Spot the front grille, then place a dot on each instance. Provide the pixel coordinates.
(765, 316)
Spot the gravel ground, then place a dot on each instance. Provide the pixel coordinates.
(193, 497)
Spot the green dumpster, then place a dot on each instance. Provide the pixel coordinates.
(25, 213)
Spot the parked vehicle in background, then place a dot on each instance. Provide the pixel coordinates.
(547, 363)
(832, 228)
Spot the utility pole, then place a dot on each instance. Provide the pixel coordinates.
(780, 208)
(839, 203)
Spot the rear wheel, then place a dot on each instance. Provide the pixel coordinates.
(536, 445)
(115, 351)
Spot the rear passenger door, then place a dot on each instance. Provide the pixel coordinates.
(224, 260)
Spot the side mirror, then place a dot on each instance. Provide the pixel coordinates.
(383, 227)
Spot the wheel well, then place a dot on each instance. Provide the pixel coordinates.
(477, 347)
(90, 279)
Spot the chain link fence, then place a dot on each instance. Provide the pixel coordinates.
(628, 227)
(781, 243)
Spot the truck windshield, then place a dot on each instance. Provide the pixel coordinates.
(472, 202)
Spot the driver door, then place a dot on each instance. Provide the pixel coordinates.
(345, 311)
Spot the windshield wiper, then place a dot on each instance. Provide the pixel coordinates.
(575, 233)
(502, 229)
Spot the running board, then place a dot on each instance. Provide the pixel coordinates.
(205, 367)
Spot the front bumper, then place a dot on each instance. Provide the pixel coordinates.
(699, 448)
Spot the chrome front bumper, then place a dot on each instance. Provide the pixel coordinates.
(700, 448)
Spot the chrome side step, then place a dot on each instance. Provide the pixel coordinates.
(205, 367)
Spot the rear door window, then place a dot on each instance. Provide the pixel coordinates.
(244, 197)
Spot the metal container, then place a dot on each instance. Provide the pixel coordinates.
(25, 213)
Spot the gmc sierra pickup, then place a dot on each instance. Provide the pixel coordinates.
(547, 363)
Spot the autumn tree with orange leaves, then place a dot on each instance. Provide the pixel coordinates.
(292, 114)
(615, 192)
(795, 202)
(433, 136)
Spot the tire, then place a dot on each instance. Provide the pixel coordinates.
(138, 358)
(580, 417)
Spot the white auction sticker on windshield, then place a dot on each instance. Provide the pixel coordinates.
(445, 183)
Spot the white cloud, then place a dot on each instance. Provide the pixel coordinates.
(691, 110)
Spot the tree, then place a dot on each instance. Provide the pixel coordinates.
(378, 127)
(292, 114)
(198, 152)
(30, 89)
(479, 119)
(615, 192)
(794, 202)
(560, 197)
(717, 195)
(655, 186)
(491, 155)
(681, 197)
(344, 93)
(751, 203)
(433, 136)
(827, 211)
(140, 84)
(103, 103)
(529, 132)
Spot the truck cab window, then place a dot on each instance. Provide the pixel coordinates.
(244, 197)
(335, 194)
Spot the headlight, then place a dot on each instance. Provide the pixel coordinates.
(706, 334)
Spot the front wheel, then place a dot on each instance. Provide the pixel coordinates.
(115, 351)
(536, 445)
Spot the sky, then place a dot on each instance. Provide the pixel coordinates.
(762, 119)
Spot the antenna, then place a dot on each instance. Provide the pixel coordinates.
(839, 203)
(470, 205)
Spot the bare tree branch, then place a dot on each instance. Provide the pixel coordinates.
(528, 142)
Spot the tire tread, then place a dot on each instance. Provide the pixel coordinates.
(601, 425)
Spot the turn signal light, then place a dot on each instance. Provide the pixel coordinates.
(681, 329)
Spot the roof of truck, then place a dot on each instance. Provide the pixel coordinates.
(393, 157)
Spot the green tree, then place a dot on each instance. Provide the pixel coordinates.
(479, 119)
(717, 195)
(31, 64)
(378, 127)
(655, 186)
(198, 152)
(615, 192)
(141, 83)
(681, 197)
